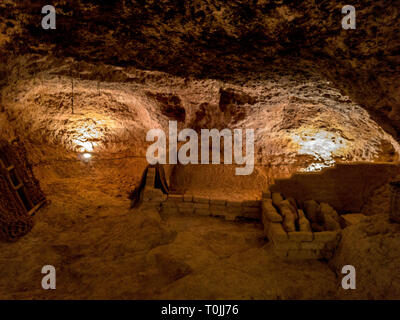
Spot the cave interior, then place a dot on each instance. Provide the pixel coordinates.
(78, 192)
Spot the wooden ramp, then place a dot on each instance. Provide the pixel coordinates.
(20, 193)
(18, 174)
(19, 189)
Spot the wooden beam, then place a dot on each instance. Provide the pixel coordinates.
(36, 207)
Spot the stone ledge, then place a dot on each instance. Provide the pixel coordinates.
(201, 200)
(185, 205)
(217, 209)
(186, 210)
(286, 245)
(350, 219)
(175, 197)
(300, 236)
(276, 232)
(304, 254)
(251, 203)
(269, 212)
(219, 202)
(251, 215)
(202, 212)
(188, 203)
(251, 210)
(152, 194)
(234, 210)
(326, 236)
(313, 245)
(234, 204)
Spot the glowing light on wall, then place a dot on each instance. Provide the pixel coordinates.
(320, 144)
(84, 146)
(87, 137)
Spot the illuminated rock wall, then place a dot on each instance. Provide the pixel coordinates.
(346, 187)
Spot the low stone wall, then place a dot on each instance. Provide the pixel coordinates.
(230, 210)
(296, 244)
(290, 245)
(191, 204)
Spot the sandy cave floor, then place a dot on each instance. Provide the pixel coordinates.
(103, 250)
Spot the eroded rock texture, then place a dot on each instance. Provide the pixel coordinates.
(218, 39)
(315, 94)
(299, 119)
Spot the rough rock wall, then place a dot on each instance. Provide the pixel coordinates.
(235, 39)
(347, 187)
(64, 106)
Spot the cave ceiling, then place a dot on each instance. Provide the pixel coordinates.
(235, 42)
